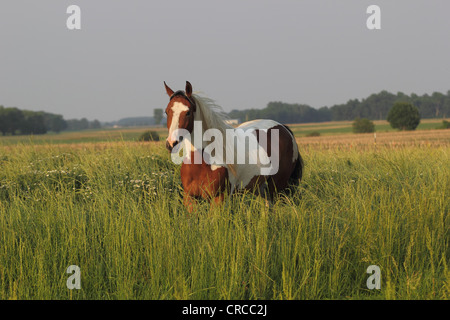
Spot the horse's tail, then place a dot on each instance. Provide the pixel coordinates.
(297, 173)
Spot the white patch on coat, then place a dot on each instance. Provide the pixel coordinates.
(246, 172)
(267, 124)
(177, 109)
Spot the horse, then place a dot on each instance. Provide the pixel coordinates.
(205, 180)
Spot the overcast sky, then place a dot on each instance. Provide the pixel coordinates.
(241, 53)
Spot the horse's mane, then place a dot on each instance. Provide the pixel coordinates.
(212, 114)
(213, 117)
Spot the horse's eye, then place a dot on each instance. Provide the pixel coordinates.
(188, 113)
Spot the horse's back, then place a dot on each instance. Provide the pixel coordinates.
(259, 124)
(284, 132)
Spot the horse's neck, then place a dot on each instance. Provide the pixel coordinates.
(198, 132)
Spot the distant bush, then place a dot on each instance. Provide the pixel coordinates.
(445, 125)
(313, 134)
(404, 116)
(363, 126)
(149, 136)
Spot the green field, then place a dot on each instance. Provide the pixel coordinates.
(114, 209)
(344, 127)
(132, 134)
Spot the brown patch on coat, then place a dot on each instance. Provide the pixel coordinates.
(200, 181)
(280, 180)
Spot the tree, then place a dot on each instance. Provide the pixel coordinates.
(404, 116)
(2, 120)
(95, 124)
(157, 115)
(33, 123)
(84, 124)
(363, 126)
(12, 119)
(54, 122)
(77, 124)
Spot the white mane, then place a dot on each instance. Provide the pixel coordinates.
(212, 115)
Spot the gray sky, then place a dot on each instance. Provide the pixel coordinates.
(242, 53)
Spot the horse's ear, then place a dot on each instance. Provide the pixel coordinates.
(168, 90)
(188, 89)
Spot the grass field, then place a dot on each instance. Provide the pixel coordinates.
(132, 134)
(113, 207)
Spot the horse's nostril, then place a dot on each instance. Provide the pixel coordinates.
(168, 147)
(181, 138)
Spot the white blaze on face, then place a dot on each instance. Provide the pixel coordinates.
(177, 109)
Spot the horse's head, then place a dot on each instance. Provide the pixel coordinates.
(180, 113)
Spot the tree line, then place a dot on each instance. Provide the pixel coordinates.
(14, 121)
(374, 107)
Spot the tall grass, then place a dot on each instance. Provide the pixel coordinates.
(115, 211)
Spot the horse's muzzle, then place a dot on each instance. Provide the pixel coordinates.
(170, 147)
